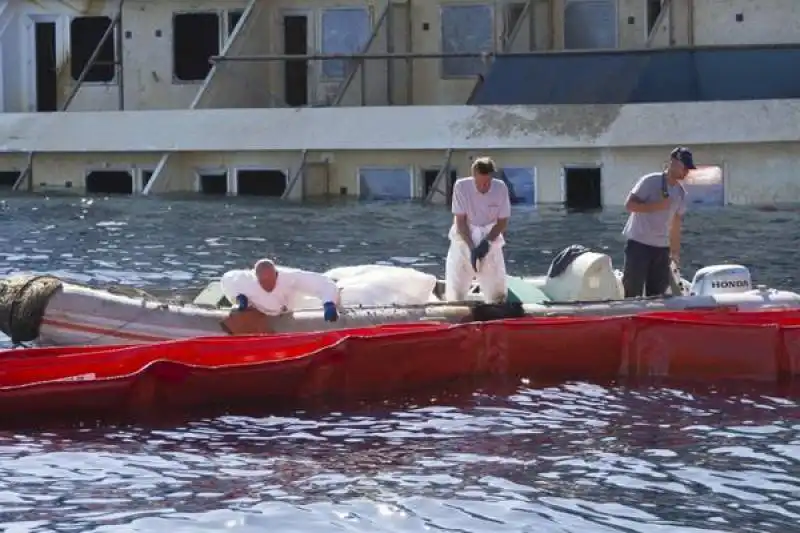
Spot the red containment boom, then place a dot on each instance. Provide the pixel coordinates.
(181, 376)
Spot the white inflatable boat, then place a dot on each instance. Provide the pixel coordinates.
(52, 312)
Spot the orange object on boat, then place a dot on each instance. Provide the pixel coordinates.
(709, 347)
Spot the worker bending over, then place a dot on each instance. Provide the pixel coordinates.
(273, 290)
(481, 208)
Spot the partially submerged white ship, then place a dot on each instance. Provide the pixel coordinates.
(52, 312)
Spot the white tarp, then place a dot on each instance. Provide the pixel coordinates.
(372, 285)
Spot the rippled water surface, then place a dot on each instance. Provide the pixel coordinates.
(509, 457)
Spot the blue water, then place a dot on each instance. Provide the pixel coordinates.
(507, 457)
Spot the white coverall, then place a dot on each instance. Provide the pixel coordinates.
(291, 287)
(491, 273)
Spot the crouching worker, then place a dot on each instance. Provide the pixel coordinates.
(481, 208)
(267, 291)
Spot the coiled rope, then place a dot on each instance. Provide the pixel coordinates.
(23, 301)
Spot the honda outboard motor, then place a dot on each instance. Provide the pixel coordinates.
(721, 279)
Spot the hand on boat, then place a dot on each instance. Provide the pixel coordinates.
(331, 314)
(479, 252)
(241, 302)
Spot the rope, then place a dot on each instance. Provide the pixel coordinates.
(23, 301)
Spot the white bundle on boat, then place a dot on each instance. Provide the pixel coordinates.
(379, 285)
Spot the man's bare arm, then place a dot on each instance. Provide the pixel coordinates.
(498, 228)
(463, 230)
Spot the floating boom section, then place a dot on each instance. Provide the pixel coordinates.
(709, 348)
(230, 84)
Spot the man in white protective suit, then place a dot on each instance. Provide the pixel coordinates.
(481, 209)
(274, 290)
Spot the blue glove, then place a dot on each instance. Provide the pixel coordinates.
(331, 314)
(241, 302)
(478, 253)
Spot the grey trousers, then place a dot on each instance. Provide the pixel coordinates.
(647, 268)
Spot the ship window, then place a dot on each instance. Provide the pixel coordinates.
(195, 39)
(212, 182)
(583, 188)
(8, 178)
(233, 18)
(109, 182)
(261, 182)
(85, 34)
(521, 183)
(705, 186)
(385, 183)
(466, 28)
(344, 31)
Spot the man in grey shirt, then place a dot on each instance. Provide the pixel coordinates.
(656, 205)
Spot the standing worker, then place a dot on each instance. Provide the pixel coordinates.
(656, 205)
(481, 209)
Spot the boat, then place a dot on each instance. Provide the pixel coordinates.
(48, 311)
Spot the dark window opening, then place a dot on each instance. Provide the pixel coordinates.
(147, 175)
(85, 34)
(46, 67)
(653, 11)
(8, 178)
(512, 14)
(195, 38)
(214, 183)
(260, 183)
(583, 188)
(295, 71)
(233, 19)
(109, 182)
(429, 176)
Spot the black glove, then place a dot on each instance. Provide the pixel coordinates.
(241, 302)
(479, 252)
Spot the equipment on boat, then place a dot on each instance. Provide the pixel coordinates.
(285, 371)
(52, 312)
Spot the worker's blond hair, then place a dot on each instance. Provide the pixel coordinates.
(483, 165)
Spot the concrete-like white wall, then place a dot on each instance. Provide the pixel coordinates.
(763, 21)
(756, 143)
(404, 128)
(753, 173)
(714, 23)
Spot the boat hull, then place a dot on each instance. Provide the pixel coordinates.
(79, 315)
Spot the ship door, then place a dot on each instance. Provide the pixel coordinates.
(45, 69)
(295, 72)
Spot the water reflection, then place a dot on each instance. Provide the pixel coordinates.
(513, 457)
(568, 458)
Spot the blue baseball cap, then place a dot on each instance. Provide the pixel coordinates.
(684, 155)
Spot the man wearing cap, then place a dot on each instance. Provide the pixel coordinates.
(656, 205)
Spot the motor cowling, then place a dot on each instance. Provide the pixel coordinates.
(721, 279)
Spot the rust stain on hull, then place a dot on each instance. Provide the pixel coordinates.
(579, 122)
